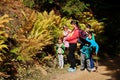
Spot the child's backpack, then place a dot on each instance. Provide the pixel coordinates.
(82, 34)
(82, 38)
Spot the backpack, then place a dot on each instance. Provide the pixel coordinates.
(82, 37)
(82, 34)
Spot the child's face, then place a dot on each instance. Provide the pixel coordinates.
(65, 28)
(87, 29)
(89, 36)
(59, 41)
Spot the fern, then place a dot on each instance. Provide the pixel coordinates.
(43, 30)
(39, 35)
(3, 19)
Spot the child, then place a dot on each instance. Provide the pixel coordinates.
(95, 46)
(60, 51)
(86, 51)
(66, 31)
(88, 29)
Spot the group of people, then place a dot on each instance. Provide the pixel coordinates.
(69, 41)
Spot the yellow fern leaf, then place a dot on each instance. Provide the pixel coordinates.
(3, 17)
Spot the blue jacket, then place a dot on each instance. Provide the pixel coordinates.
(87, 50)
(93, 44)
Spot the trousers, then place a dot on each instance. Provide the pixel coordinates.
(71, 55)
(60, 60)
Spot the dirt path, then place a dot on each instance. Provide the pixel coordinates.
(85, 75)
(109, 70)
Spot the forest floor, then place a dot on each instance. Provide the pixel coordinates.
(109, 69)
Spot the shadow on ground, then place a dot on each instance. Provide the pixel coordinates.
(113, 65)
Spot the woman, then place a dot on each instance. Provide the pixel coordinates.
(72, 38)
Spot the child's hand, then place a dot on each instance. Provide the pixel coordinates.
(95, 53)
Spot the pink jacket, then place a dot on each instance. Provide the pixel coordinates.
(73, 36)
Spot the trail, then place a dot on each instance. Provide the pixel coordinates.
(85, 75)
(107, 70)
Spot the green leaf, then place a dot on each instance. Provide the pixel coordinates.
(14, 50)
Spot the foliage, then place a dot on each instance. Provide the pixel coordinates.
(6, 64)
(45, 5)
(37, 33)
(88, 18)
(4, 19)
(45, 23)
(3, 35)
(2, 46)
(44, 1)
(29, 3)
(74, 8)
(69, 8)
(58, 30)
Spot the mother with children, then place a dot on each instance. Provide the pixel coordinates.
(88, 47)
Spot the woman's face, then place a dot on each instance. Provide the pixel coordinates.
(73, 25)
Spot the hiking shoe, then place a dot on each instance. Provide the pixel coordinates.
(89, 70)
(61, 68)
(93, 69)
(82, 69)
(71, 70)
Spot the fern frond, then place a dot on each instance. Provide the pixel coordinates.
(1, 32)
(45, 14)
(3, 46)
(4, 16)
(5, 19)
(24, 14)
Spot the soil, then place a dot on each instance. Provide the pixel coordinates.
(108, 69)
